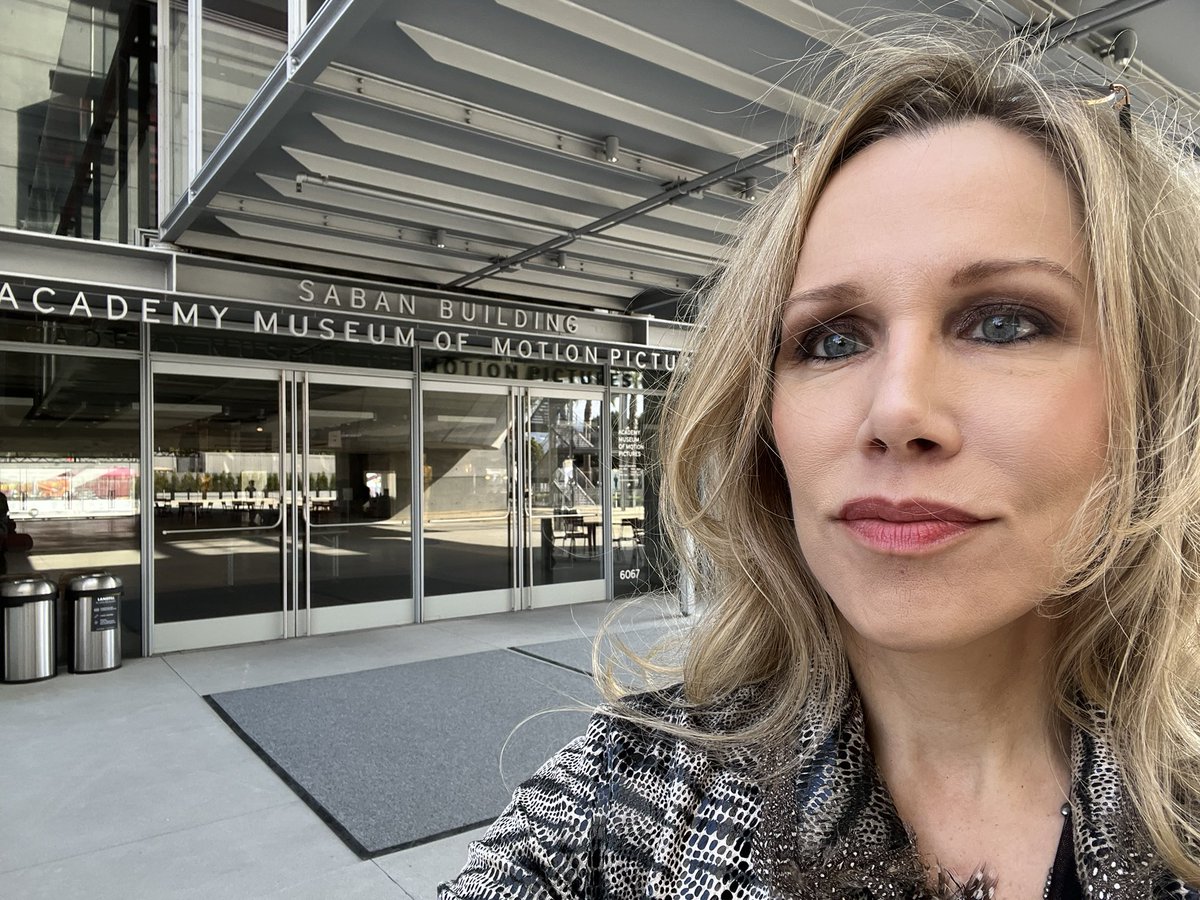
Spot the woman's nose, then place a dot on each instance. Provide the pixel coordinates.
(910, 409)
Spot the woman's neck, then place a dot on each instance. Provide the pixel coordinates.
(969, 745)
(984, 707)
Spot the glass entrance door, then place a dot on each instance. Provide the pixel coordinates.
(563, 519)
(282, 504)
(357, 522)
(468, 468)
(511, 498)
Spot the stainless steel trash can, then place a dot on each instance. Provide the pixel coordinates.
(93, 605)
(28, 603)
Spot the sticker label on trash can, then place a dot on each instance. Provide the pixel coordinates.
(104, 613)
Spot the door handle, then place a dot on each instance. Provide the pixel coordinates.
(241, 530)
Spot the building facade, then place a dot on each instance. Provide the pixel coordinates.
(318, 316)
(261, 449)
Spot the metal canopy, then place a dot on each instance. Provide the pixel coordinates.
(428, 142)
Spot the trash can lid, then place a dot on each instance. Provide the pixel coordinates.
(93, 581)
(17, 590)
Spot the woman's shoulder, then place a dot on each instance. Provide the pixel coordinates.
(659, 713)
(645, 735)
(608, 803)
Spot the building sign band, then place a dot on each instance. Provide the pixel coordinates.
(355, 314)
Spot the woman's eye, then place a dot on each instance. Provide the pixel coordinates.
(1005, 327)
(832, 345)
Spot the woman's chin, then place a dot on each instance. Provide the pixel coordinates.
(938, 633)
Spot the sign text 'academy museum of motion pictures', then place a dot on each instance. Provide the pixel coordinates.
(340, 312)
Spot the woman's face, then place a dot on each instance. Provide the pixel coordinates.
(939, 400)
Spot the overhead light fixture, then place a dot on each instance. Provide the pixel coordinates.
(678, 183)
(612, 148)
(506, 266)
(1120, 49)
(439, 238)
(560, 260)
(750, 191)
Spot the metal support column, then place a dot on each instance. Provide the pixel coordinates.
(304, 512)
(146, 49)
(146, 475)
(297, 16)
(128, 19)
(195, 135)
(286, 498)
(606, 493)
(417, 469)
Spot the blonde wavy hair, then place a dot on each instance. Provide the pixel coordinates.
(1130, 607)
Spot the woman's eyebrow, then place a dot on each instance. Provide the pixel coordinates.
(842, 293)
(853, 293)
(985, 268)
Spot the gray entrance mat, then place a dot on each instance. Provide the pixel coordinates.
(395, 757)
(576, 653)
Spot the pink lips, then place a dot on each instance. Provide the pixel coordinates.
(905, 526)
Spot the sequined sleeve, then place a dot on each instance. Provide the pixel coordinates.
(542, 846)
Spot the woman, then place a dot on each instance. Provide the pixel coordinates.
(937, 449)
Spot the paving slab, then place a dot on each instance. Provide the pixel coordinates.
(252, 855)
(420, 870)
(256, 665)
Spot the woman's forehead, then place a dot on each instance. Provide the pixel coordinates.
(933, 203)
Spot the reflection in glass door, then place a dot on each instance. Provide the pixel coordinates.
(468, 472)
(218, 516)
(358, 530)
(512, 498)
(281, 504)
(563, 512)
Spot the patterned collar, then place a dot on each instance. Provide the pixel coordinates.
(829, 828)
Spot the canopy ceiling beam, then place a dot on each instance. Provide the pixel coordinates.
(482, 166)
(614, 34)
(356, 177)
(543, 83)
(1087, 22)
(398, 213)
(669, 195)
(459, 254)
(409, 100)
(310, 255)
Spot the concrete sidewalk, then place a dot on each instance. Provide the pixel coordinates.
(127, 784)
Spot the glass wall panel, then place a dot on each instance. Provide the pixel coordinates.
(79, 104)
(69, 473)
(242, 42)
(233, 342)
(33, 328)
(467, 483)
(642, 559)
(360, 493)
(177, 177)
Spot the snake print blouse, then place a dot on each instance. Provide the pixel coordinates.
(624, 812)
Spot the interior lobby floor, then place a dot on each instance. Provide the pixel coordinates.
(127, 783)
